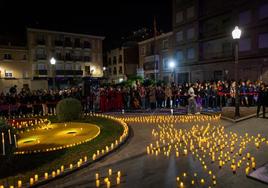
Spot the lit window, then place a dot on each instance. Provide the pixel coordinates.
(245, 17)
(263, 40)
(263, 11)
(179, 17)
(41, 67)
(179, 36)
(244, 44)
(190, 53)
(8, 74)
(190, 12)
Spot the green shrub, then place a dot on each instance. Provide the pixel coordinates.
(69, 109)
(6, 160)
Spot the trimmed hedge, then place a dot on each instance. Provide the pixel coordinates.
(69, 109)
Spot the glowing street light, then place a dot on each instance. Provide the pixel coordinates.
(236, 34)
(53, 63)
(171, 65)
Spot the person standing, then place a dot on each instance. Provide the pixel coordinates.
(262, 100)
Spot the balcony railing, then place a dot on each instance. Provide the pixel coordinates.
(58, 43)
(41, 72)
(41, 57)
(69, 72)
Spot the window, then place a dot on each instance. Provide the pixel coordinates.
(263, 11)
(179, 36)
(244, 44)
(190, 53)
(87, 58)
(165, 44)
(8, 74)
(41, 67)
(87, 44)
(190, 33)
(114, 60)
(263, 40)
(7, 56)
(190, 12)
(179, 17)
(40, 39)
(114, 71)
(165, 63)
(68, 42)
(59, 66)
(77, 43)
(245, 17)
(110, 71)
(25, 74)
(120, 59)
(68, 66)
(120, 70)
(109, 61)
(179, 55)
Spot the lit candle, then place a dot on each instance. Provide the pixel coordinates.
(97, 183)
(35, 177)
(118, 180)
(9, 137)
(108, 184)
(97, 176)
(19, 183)
(3, 143)
(181, 185)
(253, 165)
(46, 175)
(118, 174)
(202, 181)
(53, 174)
(247, 170)
(31, 181)
(110, 172)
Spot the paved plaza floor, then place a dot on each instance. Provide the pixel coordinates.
(142, 170)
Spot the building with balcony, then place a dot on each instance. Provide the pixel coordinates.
(77, 55)
(204, 48)
(122, 62)
(154, 56)
(14, 67)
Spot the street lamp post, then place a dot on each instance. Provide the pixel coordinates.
(53, 63)
(236, 34)
(172, 66)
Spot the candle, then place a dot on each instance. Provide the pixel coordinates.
(46, 175)
(108, 184)
(15, 140)
(3, 143)
(19, 183)
(202, 181)
(97, 176)
(181, 185)
(118, 180)
(97, 183)
(110, 172)
(31, 181)
(253, 165)
(71, 166)
(53, 174)
(118, 174)
(192, 182)
(35, 177)
(9, 137)
(247, 170)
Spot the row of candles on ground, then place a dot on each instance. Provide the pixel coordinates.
(170, 119)
(10, 135)
(194, 181)
(108, 180)
(206, 142)
(81, 161)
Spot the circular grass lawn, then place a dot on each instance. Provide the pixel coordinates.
(56, 136)
(23, 167)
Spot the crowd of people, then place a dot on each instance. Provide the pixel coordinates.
(194, 97)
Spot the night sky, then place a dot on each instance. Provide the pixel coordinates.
(110, 18)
